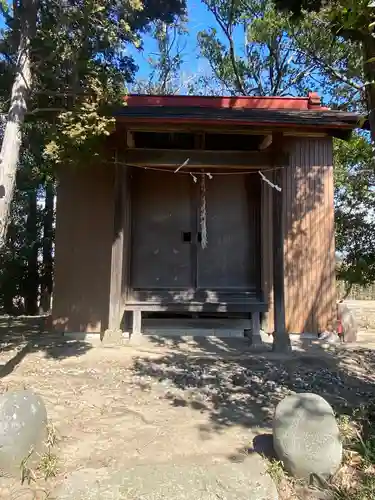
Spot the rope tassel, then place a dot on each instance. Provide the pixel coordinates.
(203, 213)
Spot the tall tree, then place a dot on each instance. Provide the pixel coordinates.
(25, 19)
(249, 51)
(351, 21)
(31, 282)
(19, 271)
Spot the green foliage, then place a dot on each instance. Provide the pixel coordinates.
(340, 22)
(17, 252)
(275, 469)
(268, 64)
(296, 6)
(355, 210)
(348, 9)
(359, 456)
(23, 269)
(79, 134)
(338, 62)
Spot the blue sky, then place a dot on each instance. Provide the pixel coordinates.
(198, 19)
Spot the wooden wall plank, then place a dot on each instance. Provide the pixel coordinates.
(127, 233)
(280, 339)
(117, 256)
(309, 247)
(84, 233)
(309, 243)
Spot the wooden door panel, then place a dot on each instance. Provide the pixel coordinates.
(162, 220)
(229, 260)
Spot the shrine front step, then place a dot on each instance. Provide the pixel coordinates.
(200, 327)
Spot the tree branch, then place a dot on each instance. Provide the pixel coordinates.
(327, 67)
(228, 34)
(46, 110)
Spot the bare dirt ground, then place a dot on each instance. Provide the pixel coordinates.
(116, 406)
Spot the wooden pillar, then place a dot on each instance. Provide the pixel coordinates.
(281, 341)
(255, 327)
(116, 306)
(137, 322)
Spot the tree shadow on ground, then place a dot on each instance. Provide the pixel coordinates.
(24, 335)
(205, 345)
(245, 391)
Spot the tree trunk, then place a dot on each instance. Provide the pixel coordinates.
(8, 303)
(47, 274)
(32, 276)
(12, 139)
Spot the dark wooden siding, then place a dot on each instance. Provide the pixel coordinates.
(310, 293)
(84, 235)
(167, 206)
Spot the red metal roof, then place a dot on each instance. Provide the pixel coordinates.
(292, 112)
(312, 101)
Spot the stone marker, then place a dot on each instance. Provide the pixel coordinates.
(348, 322)
(23, 423)
(306, 436)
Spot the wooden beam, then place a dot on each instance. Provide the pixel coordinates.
(266, 142)
(137, 322)
(198, 307)
(195, 128)
(199, 140)
(281, 342)
(220, 129)
(116, 306)
(278, 253)
(130, 139)
(197, 159)
(311, 134)
(255, 328)
(127, 224)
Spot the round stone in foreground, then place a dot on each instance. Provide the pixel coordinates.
(306, 436)
(23, 423)
(170, 481)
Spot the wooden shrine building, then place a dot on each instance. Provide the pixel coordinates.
(204, 206)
